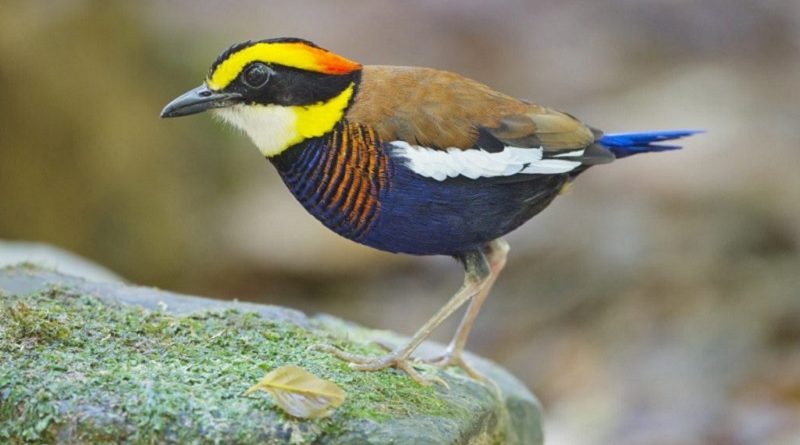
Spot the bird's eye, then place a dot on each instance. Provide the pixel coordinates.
(256, 75)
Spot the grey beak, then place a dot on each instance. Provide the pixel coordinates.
(199, 99)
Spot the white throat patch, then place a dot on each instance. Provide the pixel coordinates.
(478, 163)
(272, 128)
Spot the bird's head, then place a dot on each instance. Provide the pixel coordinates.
(279, 91)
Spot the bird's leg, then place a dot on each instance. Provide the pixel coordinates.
(477, 274)
(496, 253)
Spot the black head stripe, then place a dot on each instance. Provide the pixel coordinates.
(290, 86)
(289, 40)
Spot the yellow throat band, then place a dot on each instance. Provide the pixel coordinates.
(320, 118)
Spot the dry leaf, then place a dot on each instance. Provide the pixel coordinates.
(299, 392)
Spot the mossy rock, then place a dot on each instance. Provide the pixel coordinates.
(89, 362)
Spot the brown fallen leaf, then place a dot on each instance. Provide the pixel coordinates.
(300, 393)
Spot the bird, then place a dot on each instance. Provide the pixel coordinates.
(407, 160)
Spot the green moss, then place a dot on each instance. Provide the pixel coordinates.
(105, 373)
(22, 322)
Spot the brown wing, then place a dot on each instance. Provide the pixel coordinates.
(543, 127)
(439, 109)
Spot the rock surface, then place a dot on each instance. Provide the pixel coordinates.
(100, 362)
(51, 257)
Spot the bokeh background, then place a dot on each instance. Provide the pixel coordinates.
(656, 303)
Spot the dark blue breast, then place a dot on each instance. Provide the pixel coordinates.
(423, 216)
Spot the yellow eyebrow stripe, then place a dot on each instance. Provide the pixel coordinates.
(292, 54)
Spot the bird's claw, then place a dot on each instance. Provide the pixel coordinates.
(370, 363)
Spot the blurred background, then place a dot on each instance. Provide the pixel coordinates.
(656, 303)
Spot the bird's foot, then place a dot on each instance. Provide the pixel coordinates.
(372, 363)
(455, 358)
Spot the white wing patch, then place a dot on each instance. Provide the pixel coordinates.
(479, 163)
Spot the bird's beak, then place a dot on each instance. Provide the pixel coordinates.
(199, 99)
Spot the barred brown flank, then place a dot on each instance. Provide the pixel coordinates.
(357, 181)
(368, 196)
(378, 183)
(338, 168)
(326, 178)
(357, 215)
(366, 192)
(362, 163)
(345, 164)
(339, 178)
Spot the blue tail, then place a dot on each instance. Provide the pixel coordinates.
(626, 144)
